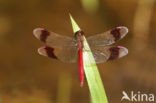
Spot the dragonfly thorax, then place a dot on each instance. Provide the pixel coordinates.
(79, 39)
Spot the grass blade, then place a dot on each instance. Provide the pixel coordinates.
(95, 84)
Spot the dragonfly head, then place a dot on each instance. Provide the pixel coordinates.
(79, 33)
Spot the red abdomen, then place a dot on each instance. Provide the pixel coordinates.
(81, 69)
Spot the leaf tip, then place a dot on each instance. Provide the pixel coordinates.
(74, 24)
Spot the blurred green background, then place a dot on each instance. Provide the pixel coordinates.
(27, 77)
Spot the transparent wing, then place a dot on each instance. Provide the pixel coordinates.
(53, 39)
(109, 37)
(68, 55)
(103, 54)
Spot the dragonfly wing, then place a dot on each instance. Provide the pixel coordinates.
(53, 39)
(108, 37)
(68, 55)
(103, 54)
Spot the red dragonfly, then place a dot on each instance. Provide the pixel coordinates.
(69, 49)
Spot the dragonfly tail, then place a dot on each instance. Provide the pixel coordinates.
(81, 69)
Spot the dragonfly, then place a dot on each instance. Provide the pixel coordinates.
(70, 50)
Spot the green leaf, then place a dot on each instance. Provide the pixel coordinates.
(74, 25)
(95, 84)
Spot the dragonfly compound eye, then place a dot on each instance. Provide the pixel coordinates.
(79, 33)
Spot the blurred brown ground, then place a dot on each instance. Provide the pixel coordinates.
(27, 77)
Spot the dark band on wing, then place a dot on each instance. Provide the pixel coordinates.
(47, 51)
(50, 52)
(114, 53)
(44, 35)
(116, 33)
